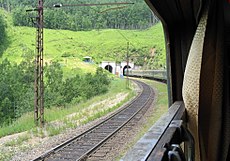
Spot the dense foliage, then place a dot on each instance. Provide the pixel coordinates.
(2, 29)
(136, 16)
(3, 35)
(60, 92)
(16, 86)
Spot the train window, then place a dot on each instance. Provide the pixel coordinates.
(175, 53)
(75, 89)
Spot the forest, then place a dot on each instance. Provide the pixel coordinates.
(134, 16)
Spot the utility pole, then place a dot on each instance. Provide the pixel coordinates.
(38, 83)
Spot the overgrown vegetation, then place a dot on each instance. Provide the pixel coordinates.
(60, 119)
(16, 86)
(72, 115)
(60, 92)
(18, 141)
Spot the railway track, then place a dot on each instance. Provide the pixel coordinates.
(87, 143)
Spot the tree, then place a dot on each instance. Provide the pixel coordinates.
(137, 16)
(53, 86)
(3, 35)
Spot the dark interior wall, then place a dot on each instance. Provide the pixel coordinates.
(226, 117)
(179, 19)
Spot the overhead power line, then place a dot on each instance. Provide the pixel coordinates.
(114, 8)
(91, 4)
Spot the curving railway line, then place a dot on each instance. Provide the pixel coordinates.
(86, 144)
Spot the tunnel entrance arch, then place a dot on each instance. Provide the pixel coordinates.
(125, 68)
(109, 68)
(116, 68)
(109, 65)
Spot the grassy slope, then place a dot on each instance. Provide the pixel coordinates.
(56, 113)
(101, 45)
(59, 119)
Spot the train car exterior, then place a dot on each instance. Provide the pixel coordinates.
(160, 75)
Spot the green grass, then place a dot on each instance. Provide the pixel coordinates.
(6, 156)
(69, 47)
(52, 130)
(26, 121)
(117, 86)
(18, 141)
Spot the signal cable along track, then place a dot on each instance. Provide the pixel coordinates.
(83, 145)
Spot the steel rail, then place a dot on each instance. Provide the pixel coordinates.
(68, 142)
(84, 156)
(53, 150)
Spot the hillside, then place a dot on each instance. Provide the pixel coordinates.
(67, 79)
(69, 47)
(65, 45)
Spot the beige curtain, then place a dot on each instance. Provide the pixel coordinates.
(203, 84)
(191, 84)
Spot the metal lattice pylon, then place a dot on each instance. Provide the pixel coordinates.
(38, 83)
